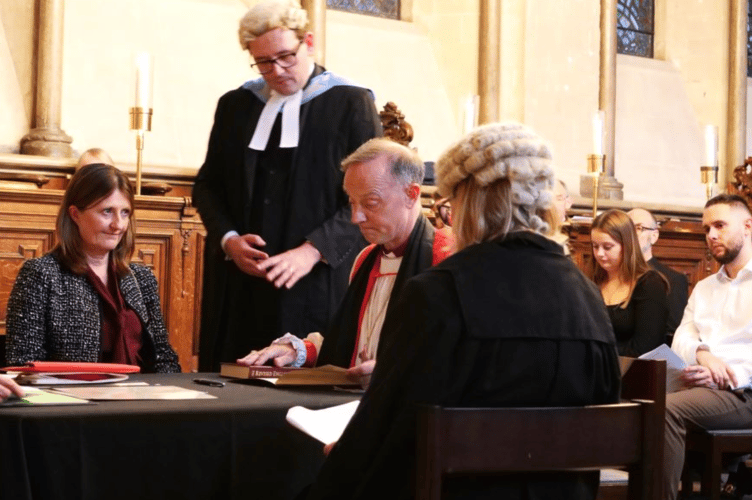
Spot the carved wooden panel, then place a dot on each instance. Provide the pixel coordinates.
(200, 245)
(15, 248)
(153, 252)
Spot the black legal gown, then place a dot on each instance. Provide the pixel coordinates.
(287, 196)
(500, 324)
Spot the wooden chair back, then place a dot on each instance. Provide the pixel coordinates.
(515, 440)
(495, 440)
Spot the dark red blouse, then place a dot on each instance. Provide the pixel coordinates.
(121, 328)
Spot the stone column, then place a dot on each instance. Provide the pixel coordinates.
(488, 60)
(736, 125)
(317, 25)
(47, 138)
(609, 187)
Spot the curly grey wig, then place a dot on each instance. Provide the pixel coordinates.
(266, 16)
(499, 151)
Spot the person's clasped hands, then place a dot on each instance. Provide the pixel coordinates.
(710, 372)
(283, 270)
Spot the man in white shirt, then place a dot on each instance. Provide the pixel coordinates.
(715, 338)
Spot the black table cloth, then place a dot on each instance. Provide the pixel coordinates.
(238, 446)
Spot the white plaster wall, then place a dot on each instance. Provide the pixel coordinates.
(14, 122)
(400, 66)
(659, 139)
(696, 34)
(561, 79)
(196, 59)
(549, 80)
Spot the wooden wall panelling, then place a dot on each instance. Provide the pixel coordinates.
(199, 243)
(168, 239)
(27, 231)
(682, 246)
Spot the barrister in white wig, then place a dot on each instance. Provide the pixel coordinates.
(507, 321)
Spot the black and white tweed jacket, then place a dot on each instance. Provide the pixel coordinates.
(54, 315)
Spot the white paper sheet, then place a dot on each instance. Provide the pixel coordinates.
(326, 424)
(674, 366)
(128, 393)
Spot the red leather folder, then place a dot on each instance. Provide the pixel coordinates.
(72, 366)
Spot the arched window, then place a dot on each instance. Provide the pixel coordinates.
(749, 39)
(635, 27)
(389, 9)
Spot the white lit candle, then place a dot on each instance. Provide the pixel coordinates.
(143, 80)
(470, 113)
(711, 146)
(598, 120)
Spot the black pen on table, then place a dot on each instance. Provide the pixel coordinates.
(209, 382)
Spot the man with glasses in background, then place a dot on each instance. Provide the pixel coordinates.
(647, 233)
(280, 243)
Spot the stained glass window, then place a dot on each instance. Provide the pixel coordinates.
(635, 27)
(389, 9)
(749, 39)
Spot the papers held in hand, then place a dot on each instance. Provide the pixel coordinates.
(674, 366)
(327, 424)
(322, 375)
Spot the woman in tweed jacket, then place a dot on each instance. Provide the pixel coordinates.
(83, 301)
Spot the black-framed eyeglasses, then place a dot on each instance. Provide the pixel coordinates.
(640, 228)
(283, 61)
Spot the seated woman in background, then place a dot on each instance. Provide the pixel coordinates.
(83, 301)
(635, 294)
(507, 321)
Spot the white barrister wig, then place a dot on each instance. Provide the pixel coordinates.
(507, 150)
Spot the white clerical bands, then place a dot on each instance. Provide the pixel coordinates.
(290, 105)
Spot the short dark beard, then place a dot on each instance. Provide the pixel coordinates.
(730, 254)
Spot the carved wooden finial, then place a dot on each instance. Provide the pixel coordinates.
(742, 184)
(395, 126)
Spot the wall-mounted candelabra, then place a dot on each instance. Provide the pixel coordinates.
(597, 161)
(709, 171)
(142, 112)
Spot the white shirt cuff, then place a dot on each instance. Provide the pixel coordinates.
(227, 236)
(298, 345)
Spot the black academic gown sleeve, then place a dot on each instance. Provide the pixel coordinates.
(433, 359)
(218, 191)
(362, 124)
